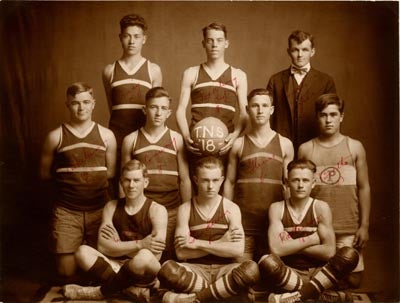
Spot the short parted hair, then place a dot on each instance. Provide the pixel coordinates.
(260, 92)
(216, 26)
(79, 87)
(327, 99)
(300, 36)
(303, 164)
(134, 165)
(133, 20)
(209, 162)
(157, 92)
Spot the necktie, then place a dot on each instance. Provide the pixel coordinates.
(296, 70)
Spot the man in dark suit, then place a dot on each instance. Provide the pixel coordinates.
(295, 90)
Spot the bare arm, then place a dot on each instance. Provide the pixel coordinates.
(241, 90)
(111, 150)
(185, 185)
(230, 245)
(159, 220)
(280, 242)
(364, 192)
(109, 241)
(305, 150)
(107, 75)
(126, 148)
(187, 81)
(327, 248)
(156, 75)
(288, 154)
(231, 172)
(183, 240)
(47, 156)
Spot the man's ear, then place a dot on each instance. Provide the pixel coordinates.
(341, 117)
(313, 52)
(144, 39)
(226, 43)
(195, 179)
(146, 182)
(144, 110)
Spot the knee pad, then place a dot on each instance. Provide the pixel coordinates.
(246, 274)
(174, 276)
(272, 267)
(344, 261)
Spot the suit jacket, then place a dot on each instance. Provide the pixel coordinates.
(314, 84)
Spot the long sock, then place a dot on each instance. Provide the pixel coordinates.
(278, 274)
(338, 267)
(231, 284)
(123, 279)
(101, 271)
(175, 276)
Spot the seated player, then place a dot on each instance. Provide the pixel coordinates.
(342, 179)
(209, 235)
(162, 151)
(304, 261)
(130, 243)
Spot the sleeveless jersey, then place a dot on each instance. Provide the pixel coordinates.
(337, 184)
(132, 227)
(160, 158)
(128, 93)
(259, 183)
(307, 225)
(214, 97)
(210, 230)
(80, 170)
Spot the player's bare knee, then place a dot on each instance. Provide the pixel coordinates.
(82, 252)
(246, 274)
(143, 262)
(345, 260)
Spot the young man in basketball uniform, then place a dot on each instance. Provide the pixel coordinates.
(127, 80)
(342, 178)
(256, 171)
(304, 261)
(209, 235)
(162, 151)
(215, 89)
(295, 90)
(80, 157)
(131, 240)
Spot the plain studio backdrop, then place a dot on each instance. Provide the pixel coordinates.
(46, 46)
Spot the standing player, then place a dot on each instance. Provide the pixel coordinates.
(215, 89)
(256, 171)
(304, 261)
(127, 80)
(80, 156)
(162, 151)
(295, 90)
(342, 178)
(209, 234)
(131, 240)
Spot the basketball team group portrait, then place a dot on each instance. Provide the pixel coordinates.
(187, 152)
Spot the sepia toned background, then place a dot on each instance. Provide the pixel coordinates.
(45, 46)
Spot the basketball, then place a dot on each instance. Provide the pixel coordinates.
(209, 135)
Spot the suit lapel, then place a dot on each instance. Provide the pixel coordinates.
(307, 82)
(288, 92)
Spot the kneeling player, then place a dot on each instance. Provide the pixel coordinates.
(302, 241)
(131, 241)
(209, 234)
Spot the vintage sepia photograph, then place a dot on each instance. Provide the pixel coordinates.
(199, 151)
